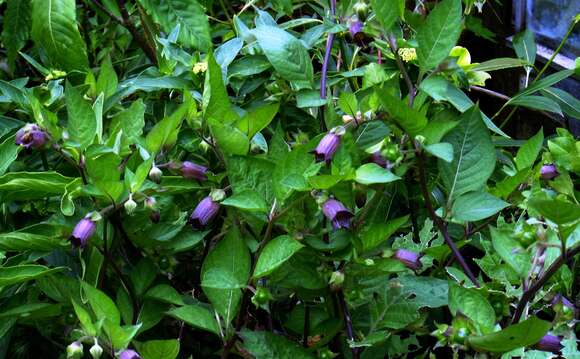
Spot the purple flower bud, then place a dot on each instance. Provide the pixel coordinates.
(549, 171)
(31, 136)
(378, 158)
(408, 258)
(82, 232)
(155, 174)
(559, 298)
(193, 171)
(337, 213)
(205, 211)
(355, 26)
(549, 343)
(155, 216)
(327, 147)
(129, 354)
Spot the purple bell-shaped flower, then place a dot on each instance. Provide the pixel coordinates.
(549, 171)
(129, 354)
(408, 258)
(31, 136)
(206, 210)
(328, 145)
(550, 343)
(337, 213)
(193, 171)
(83, 231)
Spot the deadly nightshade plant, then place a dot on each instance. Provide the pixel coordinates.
(206, 210)
(31, 136)
(84, 230)
(409, 258)
(328, 145)
(550, 343)
(549, 171)
(194, 171)
(337, 213)
(129, 354)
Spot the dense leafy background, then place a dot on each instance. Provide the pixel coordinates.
(462, 241)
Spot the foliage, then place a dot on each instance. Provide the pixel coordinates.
(278, 179)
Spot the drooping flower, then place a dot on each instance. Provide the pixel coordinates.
(337, 213)
(549, 171)
(205, 211)
(74, 350)
(129, 354)
(378, 159)
(550, 343)
(409, 258)
(354, 26)
(83, 231)
(31, 136)
(155, 174)
(193, 171)
(96, 350)
(328, 145)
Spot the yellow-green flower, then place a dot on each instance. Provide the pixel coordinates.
(408, 54)
(199, 67)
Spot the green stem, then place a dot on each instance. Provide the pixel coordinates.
(562, 43)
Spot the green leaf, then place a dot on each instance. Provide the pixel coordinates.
(569, 104)
(556, 210)
(164, 133)
(229, 138)
(54, 28)
(348, 103)
(274, 254)
(85, 318)
(121, 336)
(499, 64)
(287, 54)
(102, 305)
(247, 200)
(8, 153)
(216, 103)
(17, 21)
(529, 151)
(132, 120)
(32, 185)
(409, 119)
(525, 46)
(107, 81)
(225, 271)
(388, 11)
(376, 233)
(266, 345)
(543, 84)
(82, 124)
(511, 251)
(473, 155)
(537, 103)
(24, 273)
(372, 173)
(21, 241)
(189, 14)
(257, 119)
(439, 33)
(196, 316)
(472, 304)
(523, 334)
(475, 206)
(143, 275)
(441, 150)
(159, 349)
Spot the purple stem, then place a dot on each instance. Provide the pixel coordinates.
(327, 53)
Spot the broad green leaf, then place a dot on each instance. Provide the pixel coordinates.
(348, 103)
(257, 119)
(8, 153)
(523, 334)
(274, 254)
(425, 291)
(229, 138)
(372, 173)
(475, 206)
(309, 98)
(121, 336)
(529, 151)
(544, 83)
(247, 200)
(143, 275)
(439, 33)
(54, 28)
(32, 185)
(473, 155)
(196, 316)
(569, 104)
(226, 53)
(388, 11)
(84, 317)
(324, 181)
(439, 127)
(511, 251)
(499, 64)
(22, 241)
(164, 133)
(82, 124)
(32, 311)
(216, 103)
(225, 271)
(189, 14)
(556, 210)
(376, 233)
(409, 119)
(165, 293)
(24, 273)
(287, 54)
(441, 150)
(102, 305)
(471, 303)
(132, 120)
(159, 349)
(537, 103)
(525, 46)
(107, 81)
(267, 345)
(17, 20)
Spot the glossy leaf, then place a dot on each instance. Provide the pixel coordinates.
(475, 206)
(523, 334)
(274, 254)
